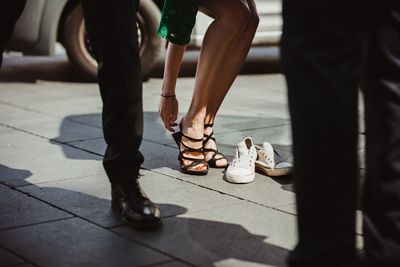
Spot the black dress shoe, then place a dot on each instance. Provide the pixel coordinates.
(136, 208)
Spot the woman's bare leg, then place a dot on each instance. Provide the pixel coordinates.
(232, 63)
(231, 20)
(230, 17)
(235, 58)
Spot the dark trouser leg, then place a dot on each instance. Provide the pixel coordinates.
(321, 52)
(9, 14)
(382, 101)
(113, 33)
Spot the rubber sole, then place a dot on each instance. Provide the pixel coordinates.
(240, 179)
(273, 172)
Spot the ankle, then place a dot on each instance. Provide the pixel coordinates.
(208, 130)
(193, 125)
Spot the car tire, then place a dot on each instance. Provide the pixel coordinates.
(78, 47)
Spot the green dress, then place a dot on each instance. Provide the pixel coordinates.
(177, 20)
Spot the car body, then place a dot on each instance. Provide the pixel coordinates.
(45, 22)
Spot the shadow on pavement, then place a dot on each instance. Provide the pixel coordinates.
(13, 174)
(189, 239)
(155, 133)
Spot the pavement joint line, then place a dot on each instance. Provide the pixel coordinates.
(24, 108)
(47, 114)
(255, 128)
(83, 140)
(34, 224)
(155, 142)
(58, 180)
(91, 222)
(19, 256)
(224, 193)
(24, 131)
(172, 145)
(147, 246)
(51, 140)
(79, 148)
(53, 205)
(84, 123)
(199, 211)
(257, 114)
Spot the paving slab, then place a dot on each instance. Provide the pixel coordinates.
(27, 159)
(90, 197)
(18, 209)
(163, 159)
(290, 208)
(154, 129)
(243, 233)
(254, 97)
(47, 126)
(279, 136)
(90, 119)
(53, 98)
(8, 259)
(263, 190)
(157, 157)
(75, 242)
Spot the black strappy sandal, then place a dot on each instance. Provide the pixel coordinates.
(195, 161)
(212, 162)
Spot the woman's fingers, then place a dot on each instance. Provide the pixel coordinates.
(168, 124)
(169, 113)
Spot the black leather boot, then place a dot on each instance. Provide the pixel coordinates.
(136, 208)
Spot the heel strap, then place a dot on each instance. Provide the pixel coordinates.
(191, 138)
(208, 125)
(188, 137)
(208, 137)
(191, 149)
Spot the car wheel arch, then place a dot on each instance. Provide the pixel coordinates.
(68, 8)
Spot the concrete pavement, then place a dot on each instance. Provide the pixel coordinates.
(55, 196)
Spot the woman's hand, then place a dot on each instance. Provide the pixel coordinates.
(168, 110)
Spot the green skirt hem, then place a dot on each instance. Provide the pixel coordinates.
(177, 20)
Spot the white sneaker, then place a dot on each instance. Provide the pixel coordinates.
(242, 168)
(270, 162)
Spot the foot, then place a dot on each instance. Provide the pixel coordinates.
(195, 131)
(211, 151)
(136, 208)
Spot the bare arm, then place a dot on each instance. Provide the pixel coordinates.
(173, 63)
(169, 105)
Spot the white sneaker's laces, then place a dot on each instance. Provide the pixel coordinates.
(266, 156)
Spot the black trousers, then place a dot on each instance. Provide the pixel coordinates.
(9, 14)
(328, 47)
(112, 30)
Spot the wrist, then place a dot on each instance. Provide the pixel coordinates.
(167, 92)
(168, 95)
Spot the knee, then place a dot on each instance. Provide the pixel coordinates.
(236, 16)
(253, 21)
